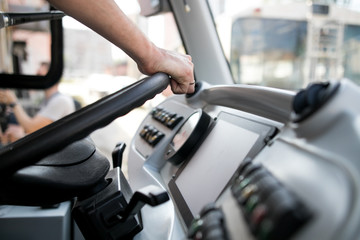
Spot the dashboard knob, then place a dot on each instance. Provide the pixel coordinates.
(309, 100)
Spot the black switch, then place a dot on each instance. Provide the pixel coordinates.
(174, 121)
(117, 154)
(309, 100)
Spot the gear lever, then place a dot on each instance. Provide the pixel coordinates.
(114, 211)
(151, 195)
(117, 154)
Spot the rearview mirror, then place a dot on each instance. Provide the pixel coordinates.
(26, 48)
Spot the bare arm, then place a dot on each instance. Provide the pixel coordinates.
(28, 123)
(108, 20)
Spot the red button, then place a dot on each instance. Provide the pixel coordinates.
(258, 214)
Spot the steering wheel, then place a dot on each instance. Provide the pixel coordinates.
(79, 124)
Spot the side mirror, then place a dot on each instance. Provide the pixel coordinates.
(19, 53)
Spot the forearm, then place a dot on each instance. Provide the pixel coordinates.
(106, 18)
(23, 118)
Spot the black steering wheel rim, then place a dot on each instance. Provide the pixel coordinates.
(79, 124)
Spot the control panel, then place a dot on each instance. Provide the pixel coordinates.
(270, 210)
(151, 134)
(232, 174)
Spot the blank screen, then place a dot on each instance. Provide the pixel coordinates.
(212, 166)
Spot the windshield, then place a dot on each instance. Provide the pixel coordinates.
(288, 44)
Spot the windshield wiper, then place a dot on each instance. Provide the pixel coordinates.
(11, 19)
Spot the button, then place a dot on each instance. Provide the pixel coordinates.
(198, 236)
(239, 186)
(257, 217)
(156, 138)
(207, 208)
(155, 111)
(250, 169)
(162, 117)
(174, 121)
(148, 134)
(169, 116)
(247, 192)
(195, 227)
(259, 174)
(251, 203)
(167, 119)
(144, 131)
(244, 164)
(153, 140)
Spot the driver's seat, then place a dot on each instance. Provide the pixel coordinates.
(79, 170)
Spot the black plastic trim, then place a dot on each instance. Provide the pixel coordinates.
(56, 67)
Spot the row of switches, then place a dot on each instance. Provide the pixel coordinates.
(151, 135)
(272, 211)
(167, 118)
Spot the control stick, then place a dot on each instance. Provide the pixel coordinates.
(114, 211)
(117, 154)
(151, 195)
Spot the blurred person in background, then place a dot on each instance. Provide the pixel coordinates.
(54, 106)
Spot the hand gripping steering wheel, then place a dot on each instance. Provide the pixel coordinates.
(79, 124)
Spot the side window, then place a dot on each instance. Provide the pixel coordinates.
(289, 44)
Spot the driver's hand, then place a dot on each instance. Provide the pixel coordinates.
(178, 66)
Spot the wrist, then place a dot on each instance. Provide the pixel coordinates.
(149, 62)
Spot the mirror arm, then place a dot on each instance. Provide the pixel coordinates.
(56, 68)
(11, 19)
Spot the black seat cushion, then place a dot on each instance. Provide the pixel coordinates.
(77, 170)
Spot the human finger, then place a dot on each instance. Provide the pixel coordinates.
(184, 76)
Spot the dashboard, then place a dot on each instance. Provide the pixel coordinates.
(238, 167)
(227, 162)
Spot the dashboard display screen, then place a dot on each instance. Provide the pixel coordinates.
(210, 169)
